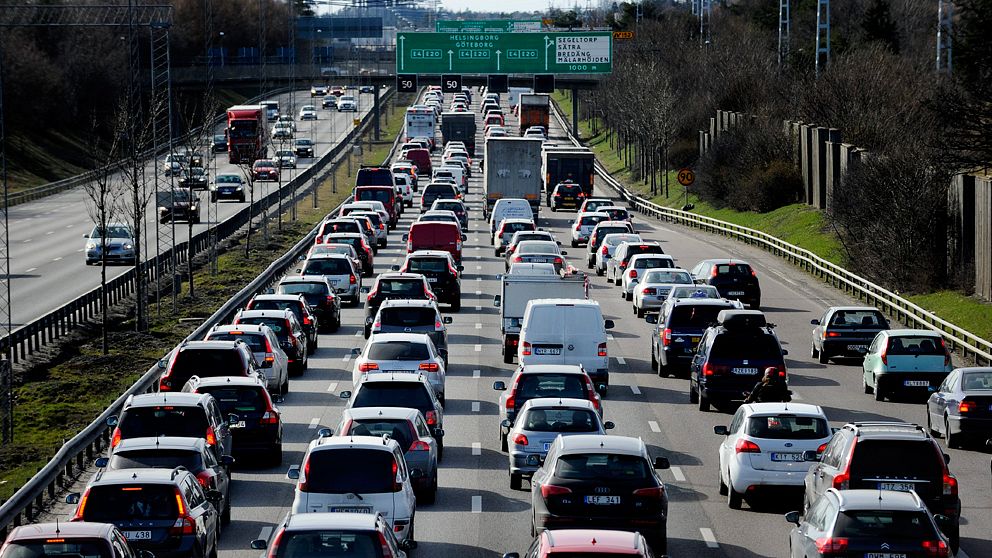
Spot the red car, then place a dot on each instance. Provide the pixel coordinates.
(435, 235)
(586, 542)
(265, 169)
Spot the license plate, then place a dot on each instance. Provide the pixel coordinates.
(432, 279)
(547, 350)
(695, 339)
(602, 500)
(547, 446)
(351, 510)
(900, 486)
(138, 535)
(858, 348)
(239, 424)
(916, 383)
(396, 371)
(787, 457)
(885, 555)
(743, 371)
(735, 293)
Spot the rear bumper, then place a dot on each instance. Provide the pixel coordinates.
(255, 439)
(842, 347)
(744, 477)
(729, 391)
(970, 426)
(896, 381)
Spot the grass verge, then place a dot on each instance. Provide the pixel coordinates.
(58, 398)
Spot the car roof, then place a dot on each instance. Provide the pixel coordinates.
(173, 398)
(62, 529)
(545, 402)
(394, 377)
(594, 541)
(408, 303)
(331, 520)
(210, 381)
(382, 412)
(600, 443)
(208, 345)
(160, 442)
(549, 368)
(852, 309)
(888, 430)
(246, 328)
(399, 275)
(407, 337)
(725, 261)
(596, 213)
(703, 301)
(889, 500)
(135, 476)
(911, 332)
(564, 302)
(364, 442)
(330, 256)
(303, 279)
(783, 408)
(280, 296)
(429, 253)
(264, 313)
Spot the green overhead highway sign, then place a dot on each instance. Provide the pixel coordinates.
(487, 26)
(505, 53)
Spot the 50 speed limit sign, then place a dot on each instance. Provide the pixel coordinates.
(686, 177)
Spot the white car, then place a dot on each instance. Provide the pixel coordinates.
(285, 159)
(638, 265)
(308, 112)
(764, 445)
(401, 352)
(403, 188)
(609, 246)
(282, 131)
(347, 103)
(583, 226)
(653, 289)
(287, 120)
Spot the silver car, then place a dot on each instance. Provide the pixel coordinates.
(378, 226)
(637, 266)
(339, 269)
(537, 425)
(609, 246)
(401, 352)
(119, 241)
(264, 344)
(651, 292)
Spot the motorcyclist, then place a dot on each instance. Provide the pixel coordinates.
(771, 388)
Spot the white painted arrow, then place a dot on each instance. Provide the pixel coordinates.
(547, 43)
(450, 54)
(497, 60)
(401, 38)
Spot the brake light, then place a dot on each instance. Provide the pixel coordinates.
(746, 446)
(650, 291)
(330, 299)
(950, 485)
(623, 265)
(431, 417)
(306, 320)
(632, 273)
(397, 479)
(652, 492)
(666, 338)
(382, 227)
(552, 490)
(115, 438)
(269, 417)
(601, 350)
(526, 349)
(304, 486)
(966, 407)
(318, 240)
(184, 524)
(605, 251)
(708, 369)
(204, 478)
(842, 481)
(936, 548)
(419, 445)
(884, 356)
(831, 545)
(557, 194)
(713, 273)
(831, 334)
(81, 508)
(367, 366)
(352, 279)
(520, 440)
(373, 293)
(518, 259)
(386, 552)
(558, 261)
(947, 354)
(429, 366)
(211, 437)
(274, 549)
(821, 449)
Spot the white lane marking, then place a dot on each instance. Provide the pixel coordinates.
(709, 537)
(478, 292)
(69, 226)
(476, 448)
(49, 232)
(654, 426)
(478, 267)
(80, 250)
(609, 336)
(346, 357)
(28, 240)
(476, 504)
(265, 532)
(635, 389)
(333, 386)
(678, 474)
(476, 406)
(621, 361)
(478, 247)
(478, 278)
(796, 397)
(478, 348)
(477, 308)
(358, 334)
(313, 423)
(477, 373)
(478, 326)
(30, 269)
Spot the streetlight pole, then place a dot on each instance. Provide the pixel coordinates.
(222, 49)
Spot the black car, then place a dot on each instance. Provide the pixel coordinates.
(207, 358)
(303, 147)
(735, 279)
(394, 286)
(845, 331)
(601, 482)
(679, 326)
(357, 241)
(298, 305)
(566, 195)
(455, 206)
(414, 316)
(178, 205)
(319, 294)
(437, 191)
(195, 178)
(219, 144)
(732, 357)
(441, 272)
(228, 187)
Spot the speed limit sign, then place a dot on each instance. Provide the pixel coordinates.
(686, 177)
(406, 83)
(451, 83)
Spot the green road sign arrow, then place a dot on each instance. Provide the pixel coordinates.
(401, 39)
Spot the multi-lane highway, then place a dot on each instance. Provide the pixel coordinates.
(47, 265)
(477, 514)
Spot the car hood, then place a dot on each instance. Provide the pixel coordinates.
(113, 242)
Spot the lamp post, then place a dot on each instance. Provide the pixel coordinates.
(222, 51)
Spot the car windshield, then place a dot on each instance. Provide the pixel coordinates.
(264, 164)
(329, 543)
(394, 394)
(303, 143)
(157, 458)
(733, 269)
(532, 386)
(401, 286)
(915, 345)
(674, 277)
(112, 232)
(208, 362)
(228, 179)
(695, 316)
(407, 316)
(107, 503)
(648, 263)
(284, 153)
(164, 420)
(884, 525)
(327, 266)
(238, 399)
(350, 470)
(559, 420)
(220, 137)
(977, 381)
(255, 341)
(434, 265)
(303, 288)
(57, 548)
(398, 429)
(857, 318)
(602, 466)
(756, 345)
(398, 350)
(787, 427)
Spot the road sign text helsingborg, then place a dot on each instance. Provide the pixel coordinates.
(505, 53)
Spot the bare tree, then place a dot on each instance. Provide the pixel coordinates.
(248, 173)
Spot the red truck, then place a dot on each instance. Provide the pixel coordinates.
(535, 110)
(246, 133)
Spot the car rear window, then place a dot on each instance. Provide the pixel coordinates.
(401, 286)
(208, 362)
(615, 240)
(648, 263)
(327, 266)
(915, 345)
(165, 420)
(602, 466)
(237, 399)
(107, 503)
(674, 277)
(420, 265)
(372, 216)
(382, 195)
(67, 548)
(896, 459)
(592, 219)
(884, 525)
(695, 316)
(857, 318)
(373, 177)
(786, 427)
(616, 214)
(635, 249)
(398, 429)
(303, 288)
(346, 470)
(532, 386)
(559, 420)
(450, 206)
(537, 247)
(394, 394)
(326, 542)
(603, 231)
(279, 326)
(157, 458)
(733, 269)
(339, 227)
(756, 345)
(438, 189)
(696, 291)
(398, 350)
(255, 341)
(977, 381)
(510, 228)
(570, 189)
(408, 316)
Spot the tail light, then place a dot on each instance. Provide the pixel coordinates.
(842, 481)
(657, 492)
(526, 349)
(884, 355)
(115, 438)
(367, 367)
(304, 486)
(274, 549)
(386, 547)
(632, 273)
(623, 265)
(831, 545)
(269, 417)
(746, 446)
(81, 508)
(558, 261)
(184, 523)
(552, 490)
(753, 274)
(601, 350)
(520, 440)
(966, 407)
(204, 478)
(936, 548)
(419, 445)
(318, 240)
(518, 259)
(511, 399)
(557, 194)
(713, 273)
(605, 251)
(950, 485)
(591, 392)
(711, 369)
(211, 436)
(431, 418)
(821, 449)
(650, 291)
(438, 325)
(452, 270)
(666, 336)
(330, 299)
(397, 478)
(373, 293)
(947, 354)
(306, 321)
(382, 227)
(831, 334)
(352, 279)
(429, 366)
(581, 194)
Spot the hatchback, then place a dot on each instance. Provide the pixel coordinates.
(609, 245)
(265, 346)
(506, 228)
(174, 414)
(414, 316)
(679, 326)
(360, 534)
(296, 304)
(617, 264)
(588, 543)
(62, 540)
(292, 338)
(394, 285)
(361, 246)
(319, 293)
(566, 195)
(441, 271)
(845, 331)
(386, 353)
(962, 406)
(654, 286)
(905, 362)
(596, 238)
(637, 266)
(735, 279)
(339, 269)
(583, 225)
(400, 390)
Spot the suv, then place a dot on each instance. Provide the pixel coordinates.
(339, 269)
(264, 345)
(358, 242)
(679, 327)
(455, 206)
(175, 414)
(318, 290)
(74, 539)
(392, 286)
(336, 468)
(208, 358)
(606, 481)
(442, 274)
(164, 511)
(863, 522)
(616, 265)
(174, 451)
(292, 338)
(566, 195)
(735, 279)
(881, 456)
(583, 225)
(732, 356)
(302, 535)
(295, 304)
(402, 389)
(258, 428)
(414, 316)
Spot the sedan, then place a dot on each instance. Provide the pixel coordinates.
(845, 331)
(538, 423)
(401, 352)
(653, 289)
(329, 102)
(962, 406)
(308, 112)
(194, 177)
(303, 147)
(536, 251)
(227, 187)
(119, 242)
(265, 169)
(638, 265)
(286, 159)
(347, 103)
(219, 144)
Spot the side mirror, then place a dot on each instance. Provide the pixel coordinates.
(947, 459)
(72, 498)
(505, 423)
(406, 237)
(407, 545)
(446, 320)
(834, 430)
(810, 456)
(651, 318)
(785, 352)
(564, 252)
(792, 517)
(720, 430)
(356, 351)
(233, 419)
(365, 290)
(85, 235)
(661, 463)
(814, 322)
(215, 495)
(345, 394)
(258, 544)
(394, 268)
(511, 555)
(293, 472)
(464, 237)
(416, 474)
(325, 433)
(460, 267)
(499, 385)
(113, 420)
(101, 462)
(162, 364)
(498, 301)
(608, 324)
(299, 270)
(270, 291)
(227, 460)
(608, 425)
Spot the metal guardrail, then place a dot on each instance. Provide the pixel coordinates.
(968, 344)
(72, 458)
(57, 323)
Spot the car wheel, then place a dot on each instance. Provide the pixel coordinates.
(306, 363)
(507, 355)
(822, 357)
(553, 209)
(654, 360)
(693, 394)
(225, 517)
(813, 353)
(950, 439)
(630, 295)
(879, 396)
(864, 383)
(933, 432)
(723, 486)
(430, 495)
(575, 244)
(734, 498)
(284, 388)
(704, 403)
(456, 304)
(639, 311)
(336, 324)
(241, 199)
(516, 481)
(599, 272)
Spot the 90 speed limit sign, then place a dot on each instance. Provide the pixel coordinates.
(686, 177)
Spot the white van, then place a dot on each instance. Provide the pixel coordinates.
(509, 208)
(566, 331)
